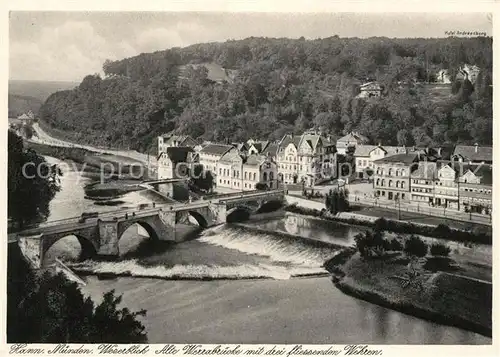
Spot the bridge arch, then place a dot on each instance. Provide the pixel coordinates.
(202, 221)
(239, 213)
(132, 243)
(88, 246)
(148, 227)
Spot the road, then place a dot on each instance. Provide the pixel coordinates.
(44, 138)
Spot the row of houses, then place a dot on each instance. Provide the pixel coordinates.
(460, 178)
(451, 184)
(303, 159)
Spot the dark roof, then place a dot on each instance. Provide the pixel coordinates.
(271, 149)
(425, 170)
(399, 158)
(216, 149)
(474, 153)
(178, 153)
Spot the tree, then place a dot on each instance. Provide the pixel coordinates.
(202, 179)
(32, 183)
(51, 309)
(415, 247)
(336, 201)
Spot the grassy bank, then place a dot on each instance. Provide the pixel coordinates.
(437, 296)
(482, 236)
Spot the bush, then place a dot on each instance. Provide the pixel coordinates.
(415, 246)
(440, 249)
(380, 225)
(442, 230)
(395, 245)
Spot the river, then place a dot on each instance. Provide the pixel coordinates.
(261, 292)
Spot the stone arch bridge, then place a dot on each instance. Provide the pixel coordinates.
(100, 235)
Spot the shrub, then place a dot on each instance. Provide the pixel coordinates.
(415, 246)
(380, 225)
(440, 249)
(442, 230)
(261, 186)
(395, 245)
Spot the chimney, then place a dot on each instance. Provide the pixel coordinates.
(475, 147)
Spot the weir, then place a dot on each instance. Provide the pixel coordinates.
(99, 235)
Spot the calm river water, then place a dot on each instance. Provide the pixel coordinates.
(239, 306)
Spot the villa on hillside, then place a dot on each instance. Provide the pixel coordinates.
(369, 90)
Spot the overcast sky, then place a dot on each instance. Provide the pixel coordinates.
(67, 46)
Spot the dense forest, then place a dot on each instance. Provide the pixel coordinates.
(275, 86)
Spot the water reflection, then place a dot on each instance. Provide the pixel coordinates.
(308, 227)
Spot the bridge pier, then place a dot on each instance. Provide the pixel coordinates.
(109, 237)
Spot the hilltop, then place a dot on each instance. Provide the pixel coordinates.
(265, 87)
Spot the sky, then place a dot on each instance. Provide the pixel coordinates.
(66, 46)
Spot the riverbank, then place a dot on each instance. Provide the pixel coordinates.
(482, 236)
(439, 296)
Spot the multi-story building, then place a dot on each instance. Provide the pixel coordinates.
(176, 162)
(351, 140)
(453, 185)
(238, 172)
(210, 154)
(229, 170)
(475, 189)
(391, 179)
(300, 159)
(365, 155)
(259, 169)
(423, 181)
(446, 187)
(169, 140)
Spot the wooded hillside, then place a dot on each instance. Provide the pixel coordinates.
(284, 85)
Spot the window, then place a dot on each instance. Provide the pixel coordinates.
(390, 172)
(390, 183)
(402, 184)
(402, 196)
(397, 182)
(383, 182)
(378, 182)
(254, 176)
(397, 172)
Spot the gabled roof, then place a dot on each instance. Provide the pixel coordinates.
(260, 145)
(364, 150)
(473, 153)
(311, 139)
(23, 116)
(230, 157)
(370, 84)
(353, 136)
(216, 149)
(289, 139)
(254, 160)
(271, 149)
(399, 158)
(177, 153)
(485, 172)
